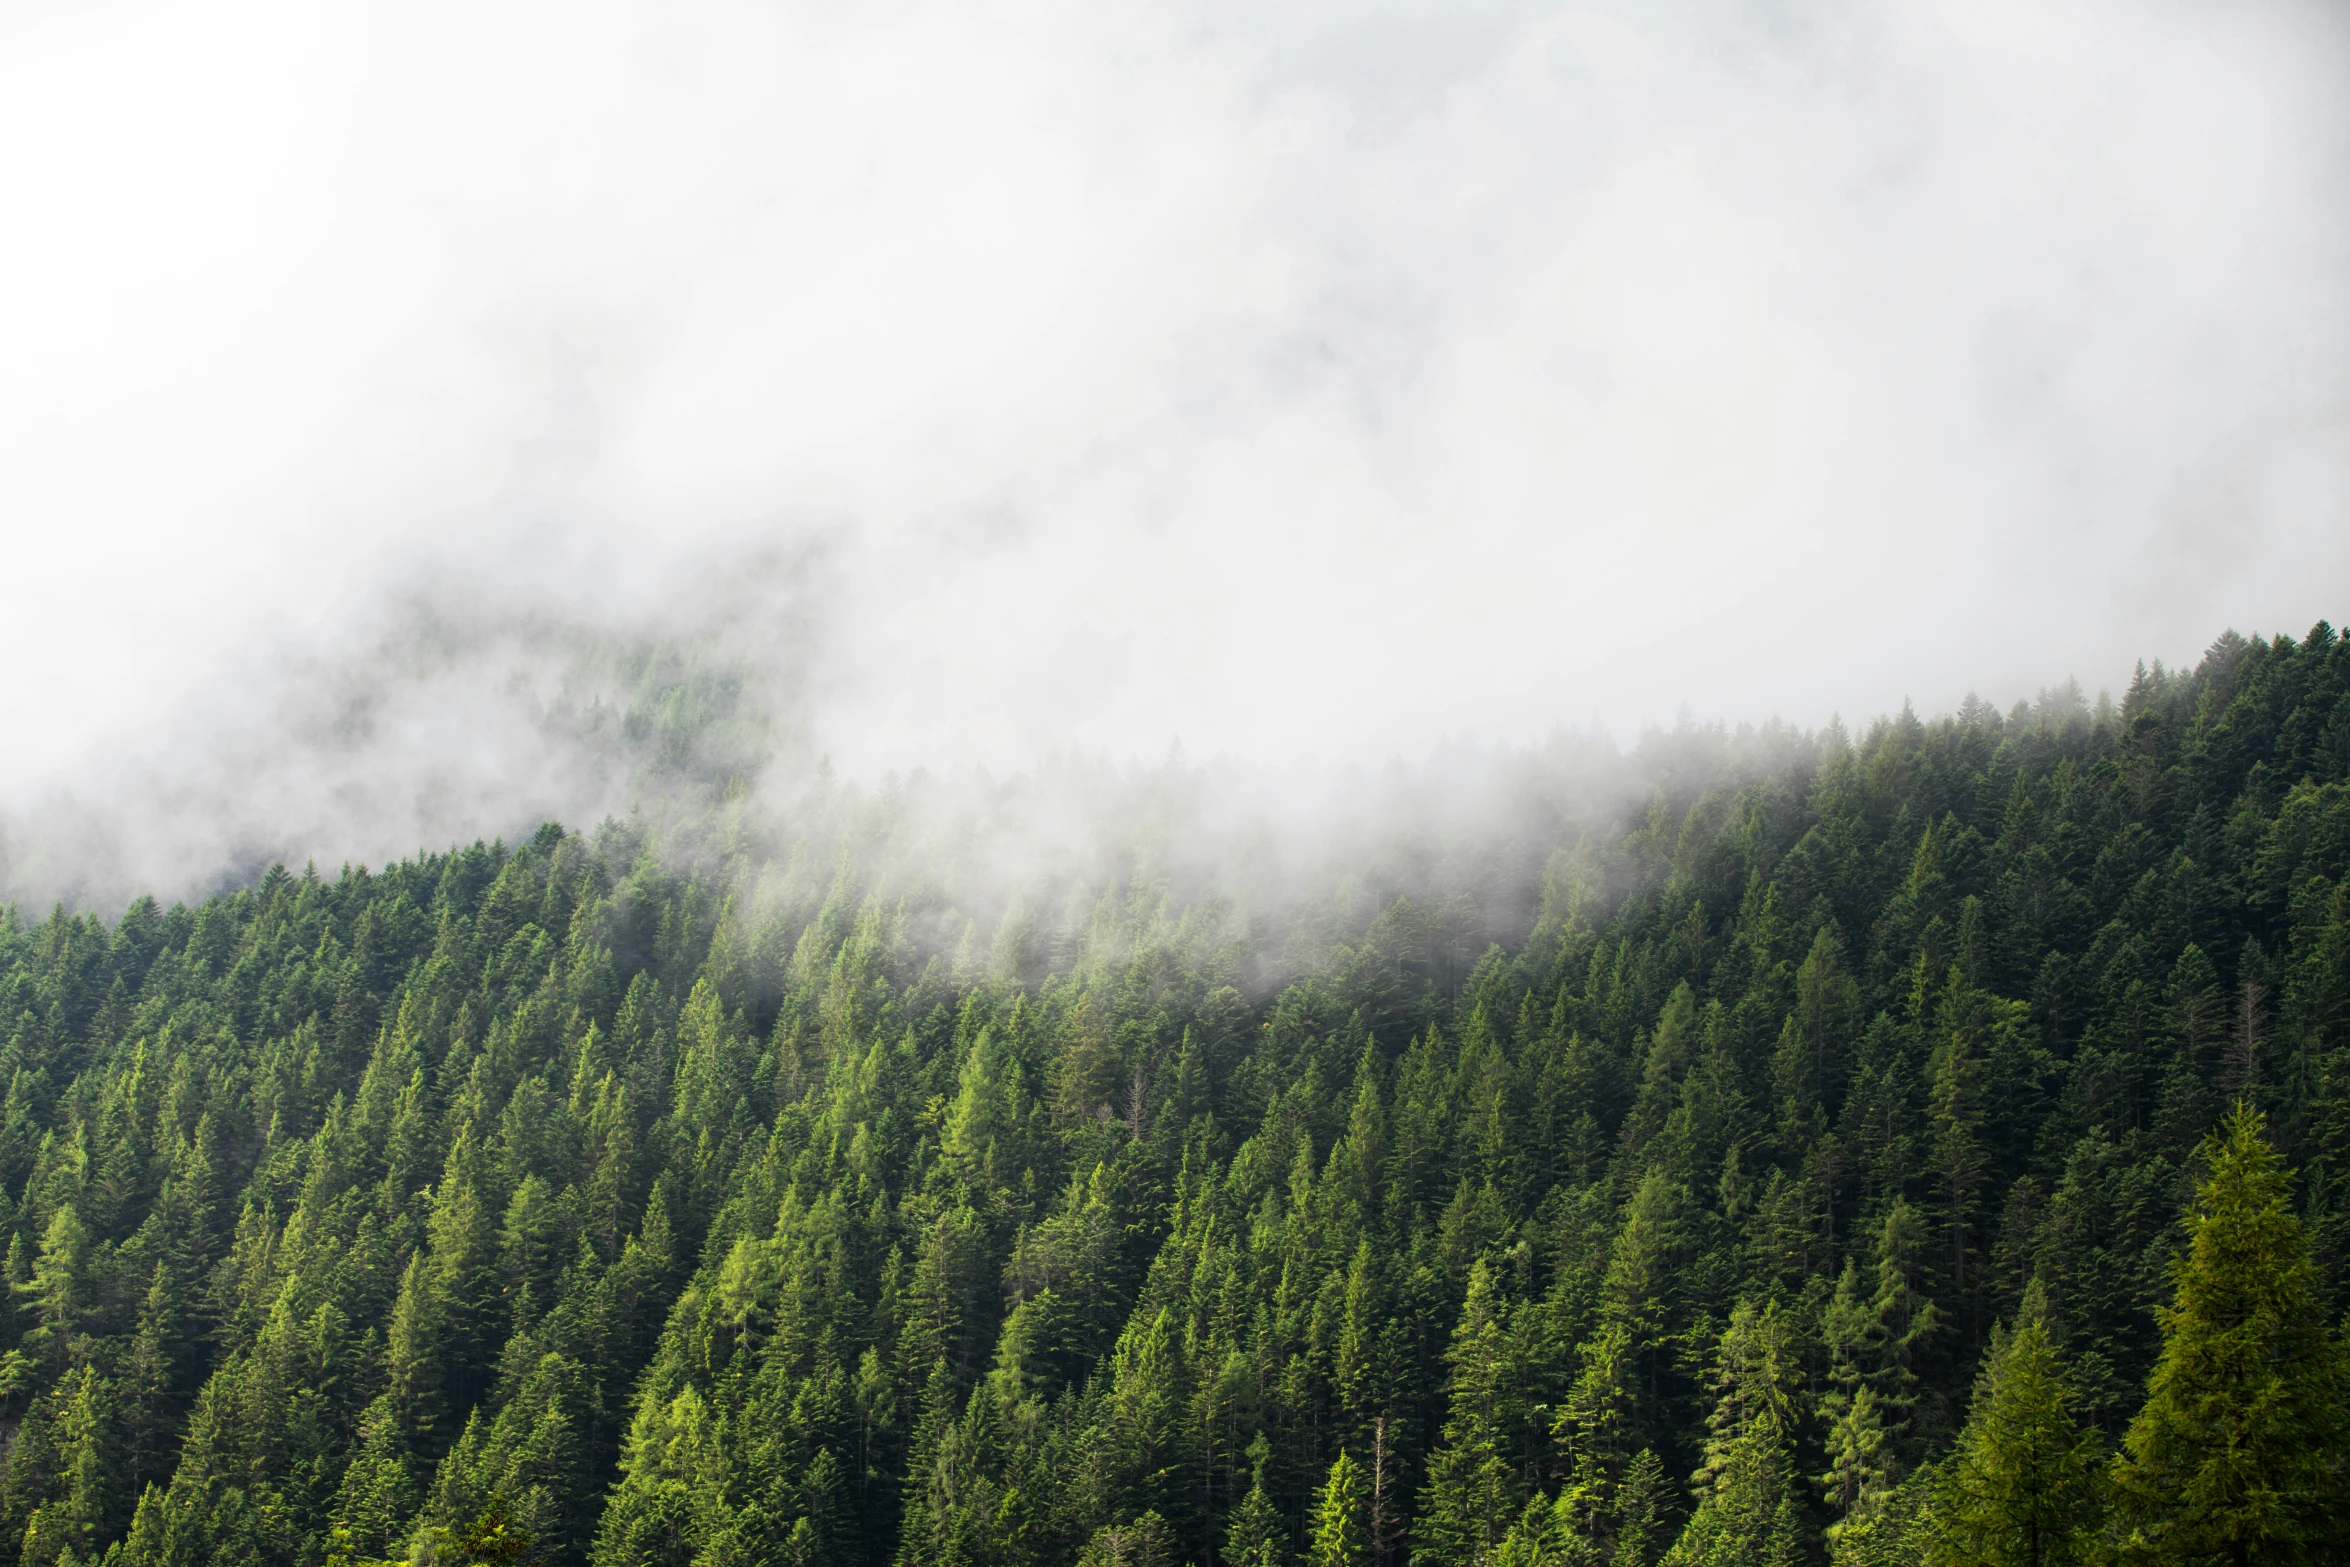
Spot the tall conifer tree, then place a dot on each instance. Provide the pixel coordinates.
(2024, 1488)
(2238, 1456)
(1342, 1528)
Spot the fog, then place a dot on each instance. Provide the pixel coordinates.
(382, 389)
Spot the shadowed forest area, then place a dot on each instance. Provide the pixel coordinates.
(1925, 1145)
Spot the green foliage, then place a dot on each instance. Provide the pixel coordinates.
(1472, 1494)
(1898, 1533)
(1749, 1512)
(1587, 1188)
(2239, 1454)
(1255, 1536)
(2025, 1486)
(1342, 1532)
(1146, 1542)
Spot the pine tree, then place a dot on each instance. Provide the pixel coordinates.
(1472, 1496)
(2025, 1487)
(1146, 1542)
(2241, 1454)
(1901, 1321)
(1254, 1536)
(87, 1495)
(1342, 1534)
(689, 1185)
(1545, 1536)
(1357, 1371)
(1899, 1533)
(151, 1380)
(1859, 1446)
(1748, 1511)
(1639, 1512)
(59, 1289)
(417, 1367)
(1859, 1474)
(378, 1495)
(1626, 1393)
(1958, 1091)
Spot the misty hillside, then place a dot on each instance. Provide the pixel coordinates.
(439, 718)
(1928, 1144)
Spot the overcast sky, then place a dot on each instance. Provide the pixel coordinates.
(1314, 381)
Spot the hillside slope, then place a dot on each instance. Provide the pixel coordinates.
(588, 1201)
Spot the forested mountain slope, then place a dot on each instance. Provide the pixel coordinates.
(1799, 1177)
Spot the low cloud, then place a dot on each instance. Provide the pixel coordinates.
(1300, 385)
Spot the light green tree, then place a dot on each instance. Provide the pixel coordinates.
(1472, 1497)
(2239, 1455)
(1748, 1512)
(2025, 1487)
(1342, 1533)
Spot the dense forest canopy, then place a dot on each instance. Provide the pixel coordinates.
(1928, 1145)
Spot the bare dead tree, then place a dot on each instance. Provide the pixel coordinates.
(2242, 1068)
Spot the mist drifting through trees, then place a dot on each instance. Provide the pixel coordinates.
(811, 785)
(1925, 1144)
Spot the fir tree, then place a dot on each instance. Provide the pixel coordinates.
(1342, 1533)
(378, 1495)
(1639, 1513)
(1748, 1510)
(695, 1201)
(1146, 1542)
(2239, 1454)
(1254, 1537)
(1471, 1496)
(2025, 1486)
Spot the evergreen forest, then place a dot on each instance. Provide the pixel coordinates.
(1924, 1144)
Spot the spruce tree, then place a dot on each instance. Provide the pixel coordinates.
(2240, 1453)
(378, 1495)
(1254, 1536)
(273, 1299)
(1146, 1542)
(1545, 1536)
(1639, 1512)
(1342, 1532)
(1471, 1496)
(1868, 1393)
(2025, 1486)
(1748, 1511)
(1898, 1533)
